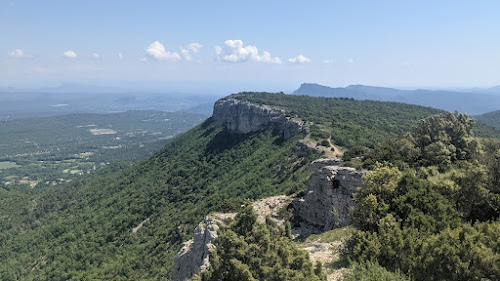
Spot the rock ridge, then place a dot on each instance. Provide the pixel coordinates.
(246, 117)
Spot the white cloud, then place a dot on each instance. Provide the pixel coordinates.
(189, 49)
(235, 51)
(351, 60)
(96, 56)
(157, 51)
(17, 53)
(69, 54)
(267, 58)
(120, 56)
(328, 61)
(299, 59)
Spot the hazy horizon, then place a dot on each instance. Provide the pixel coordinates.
(265, 46)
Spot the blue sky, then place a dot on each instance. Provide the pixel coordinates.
(265, 45)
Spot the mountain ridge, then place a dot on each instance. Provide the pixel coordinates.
(471, 103)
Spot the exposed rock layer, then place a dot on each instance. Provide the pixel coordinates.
(194, 255)
(246, 117)
(327, 201)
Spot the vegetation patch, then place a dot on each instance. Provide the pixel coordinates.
(8, 165)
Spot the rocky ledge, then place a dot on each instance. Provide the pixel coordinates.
(246, 117)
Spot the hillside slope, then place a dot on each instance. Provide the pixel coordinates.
(83, 231)
(491, 119)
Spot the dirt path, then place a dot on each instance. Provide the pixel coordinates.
(135, 229)
(338, 152)
(327, 150)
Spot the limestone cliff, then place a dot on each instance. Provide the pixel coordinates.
(194, 255)
(246, 117)
(327, 201)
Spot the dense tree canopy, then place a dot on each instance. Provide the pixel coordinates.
(437, 219)
(248, 251)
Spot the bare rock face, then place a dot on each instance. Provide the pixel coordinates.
(194, 254)
(245, 117)
(328, 198)
(193, 257)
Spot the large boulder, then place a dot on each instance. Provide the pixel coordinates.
(328, 199)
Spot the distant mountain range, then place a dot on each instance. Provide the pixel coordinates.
(475, 102)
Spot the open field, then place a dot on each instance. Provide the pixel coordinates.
(8, 165)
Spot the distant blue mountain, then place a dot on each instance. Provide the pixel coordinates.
(466, 102)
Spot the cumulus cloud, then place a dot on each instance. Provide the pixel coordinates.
(328, 61)
(351, 60)
(234, 51)
(96, 55)
(158, 52)
(190, 49)
(69, 54)
(17, 53)
(120, 56)
(299, 59)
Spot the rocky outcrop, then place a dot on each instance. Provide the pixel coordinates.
(327, 201)
(246, 117)
(193, 257)
(324, 206)
(194, 254)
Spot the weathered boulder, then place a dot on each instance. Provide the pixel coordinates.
(194, 254)
(246, 117)
(327, 201)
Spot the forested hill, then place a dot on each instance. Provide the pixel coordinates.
(349, 122)
(491, 118)
(89, 230)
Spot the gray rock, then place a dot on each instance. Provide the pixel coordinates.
(327, 201)
(245, 117)
(193, 257)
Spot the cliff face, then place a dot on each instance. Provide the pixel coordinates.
(245, 117)
(328, 198)
(194, 254)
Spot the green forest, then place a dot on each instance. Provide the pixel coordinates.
(491, 119)
(430, 206)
